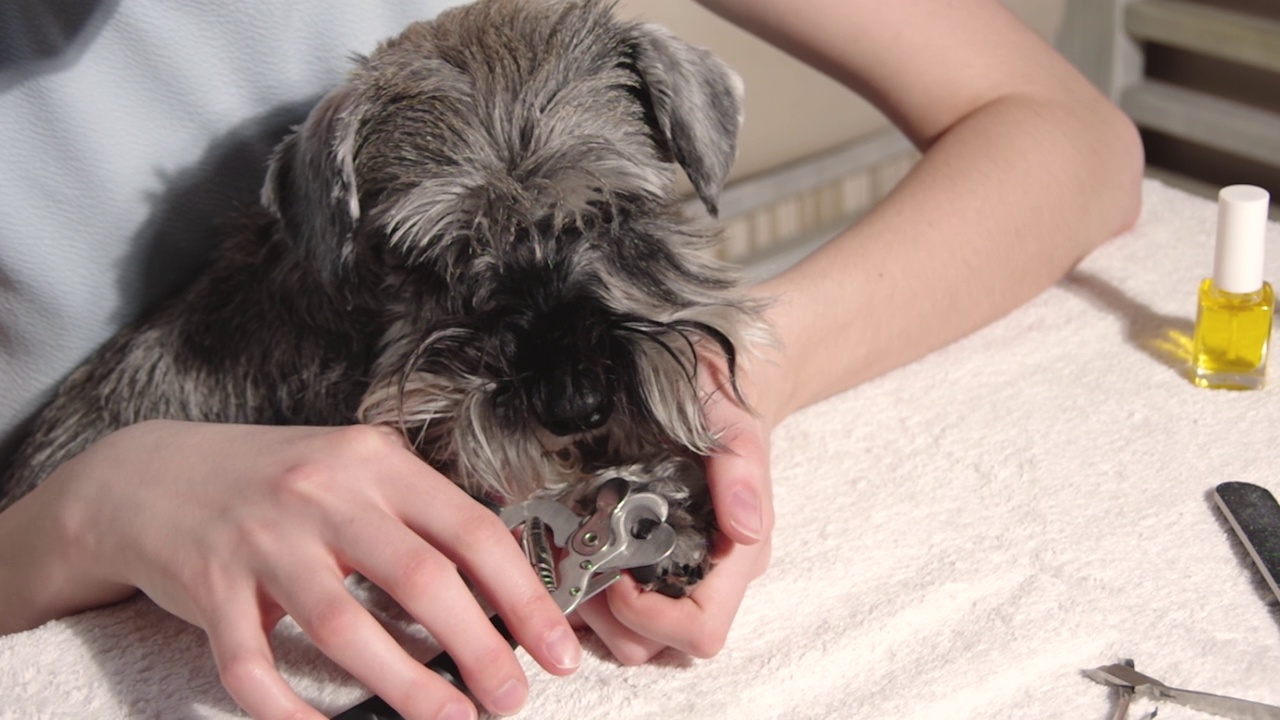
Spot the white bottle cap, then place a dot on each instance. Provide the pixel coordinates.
(1242, 230)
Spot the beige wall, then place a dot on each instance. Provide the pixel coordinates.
(792, 111)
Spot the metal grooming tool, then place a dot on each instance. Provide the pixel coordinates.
(1123, 676)
(1124, 696)
(626, 530)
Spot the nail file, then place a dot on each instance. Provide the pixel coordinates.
(1255, 516)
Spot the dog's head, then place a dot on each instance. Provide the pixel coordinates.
(500, 182)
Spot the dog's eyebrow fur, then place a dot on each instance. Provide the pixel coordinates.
(545, 119)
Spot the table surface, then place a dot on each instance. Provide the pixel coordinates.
(957, 539)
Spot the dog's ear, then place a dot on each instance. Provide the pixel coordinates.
(697, 106)
(311, 186)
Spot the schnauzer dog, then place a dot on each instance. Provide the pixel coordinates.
(476, 239)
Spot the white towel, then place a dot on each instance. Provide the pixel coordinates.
(956, 539)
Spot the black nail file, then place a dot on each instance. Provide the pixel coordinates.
(1255, 516)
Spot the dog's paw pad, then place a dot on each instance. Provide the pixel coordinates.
(673, 578)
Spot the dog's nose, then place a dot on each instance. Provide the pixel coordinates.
(571, 400)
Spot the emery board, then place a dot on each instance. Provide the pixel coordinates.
(1254, 514)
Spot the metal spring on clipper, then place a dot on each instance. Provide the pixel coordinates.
(537, 547)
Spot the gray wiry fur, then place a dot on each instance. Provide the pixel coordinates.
(475, 239)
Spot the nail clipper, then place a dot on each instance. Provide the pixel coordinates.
(628, 529)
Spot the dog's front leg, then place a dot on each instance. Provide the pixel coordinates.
(244, 344)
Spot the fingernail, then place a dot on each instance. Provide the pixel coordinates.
(744, 513)
(563, 649)
(509, 698)
(458, 711)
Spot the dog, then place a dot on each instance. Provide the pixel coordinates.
(477, 239)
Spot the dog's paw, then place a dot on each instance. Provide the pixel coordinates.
(682, 483)
(690, 561)
(680, 480)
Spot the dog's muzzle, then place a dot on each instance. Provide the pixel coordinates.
(567, 362)
(571, 397)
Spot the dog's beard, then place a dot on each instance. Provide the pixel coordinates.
(466, 415)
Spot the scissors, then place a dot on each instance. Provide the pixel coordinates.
(1130, 682)
(626, 530)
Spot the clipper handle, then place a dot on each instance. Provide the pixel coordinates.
(375, 708)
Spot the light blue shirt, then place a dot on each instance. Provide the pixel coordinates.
(127, 129)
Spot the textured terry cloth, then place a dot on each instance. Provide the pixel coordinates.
(956, 539)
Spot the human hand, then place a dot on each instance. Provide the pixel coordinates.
(636, 625)
(232, 527)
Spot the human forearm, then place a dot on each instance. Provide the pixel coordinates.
(231, 527)
(1000, 207)
(41, 577)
